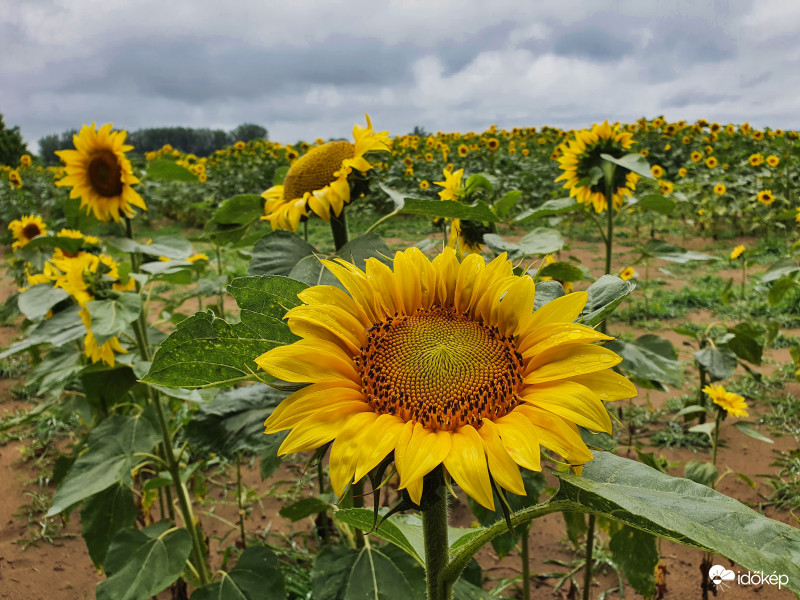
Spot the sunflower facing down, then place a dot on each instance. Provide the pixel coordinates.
(581, 155)
(318, 179)
(441, 363)
(99, 173)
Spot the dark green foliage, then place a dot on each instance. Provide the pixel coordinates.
(12, 146)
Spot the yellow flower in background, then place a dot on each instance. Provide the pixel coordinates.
(773, 160)
(198, 257)
(14, 179)
(756, 159)
(463, 150)
(99, 173)
(657, 171)
(424, 184)
(239, 145)
(765, 197)
(737, 252)
(711, 162)
(581, 154)
(318, 180)
(453, 188)
(666, 186)
(485, 380)
(25, 229)
(682, 172)
(492, 144)
(701, 212)
(25, 160)
(719, 189)
(696, 156)
(93, 350)
(644, 152)
(734, 404)
(627, 273)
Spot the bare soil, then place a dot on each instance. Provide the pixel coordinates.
(64, 571)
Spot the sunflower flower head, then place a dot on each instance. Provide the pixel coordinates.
(627, 273)
(99, 173)
(25, 229)
(99, 352)
(737, 252)
(441, 363)
(581, 160)
(318, 179)
(734, 404)
(766, 197)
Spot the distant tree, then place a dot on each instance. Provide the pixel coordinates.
(50, 144)
(419, 131)
(249, 131)
(12, 145)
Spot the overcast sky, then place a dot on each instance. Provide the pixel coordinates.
(306, 69)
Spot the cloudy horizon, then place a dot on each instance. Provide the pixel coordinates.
(311, 69)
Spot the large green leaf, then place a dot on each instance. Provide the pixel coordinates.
(480, 211)
(633, 162)
(257, 576)
(685, 512)
(206, 351)
(744, 343)
(311, 271)
(103, 516)
(719, 363)
(277, 252)
(657, 203)
(548, 209)
(649, 358)
(672, 253)
(504, 205)
(234, 420)
(541, 240)
(169, 246)
(562, 271)
(110, 317)
(108, 459)
(63, 327)
(36, 301)
(167, 170)
(106, 385)
(605, 294)
(635, 552)
(142, 562)
(547, 291)
(240, 210)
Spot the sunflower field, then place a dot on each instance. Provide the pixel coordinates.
(509, 364)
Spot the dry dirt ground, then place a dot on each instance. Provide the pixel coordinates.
(63, 570)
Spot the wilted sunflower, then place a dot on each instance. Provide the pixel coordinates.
(582, 154)
(99, 173)
(318, 179)
(766, 197)
(25, 229)
(441, 363)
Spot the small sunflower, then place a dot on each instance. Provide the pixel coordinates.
(719, 189)
(756, 159)
(696, 156)
(582, 154)
(463, 150)
(25, 229)
(682, 172)
(627, 273)
(711, 162)
(441, 363)
(666, 186)
(737, 252)
(318, 180)
(766, 197)
(465, 236)
(14, 179)
(734, 404)
(657, 171)
(424, 184)
(99, 173)
(25, 160)
(493, 144)
(773, 160)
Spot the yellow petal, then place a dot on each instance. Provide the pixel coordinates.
(501, 465)
(309, 361)
(561, 310)
(608, 385)
(329, 295)
(556, 434)
(424, 451)
(312, 433)
(532, 342)
(563, 362)
(408, 279)
(311, 399)
(466, 463)
(346, 450)
(380, 439)
(572, 401)
(468, 273)
(382, 281)
(328, 323)
(516, 305)
(447, 266)
(414, 490)
(519, 439)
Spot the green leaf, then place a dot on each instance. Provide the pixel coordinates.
(110, 317)
(744, 344)
(141, 563)
(397, 198)
(701, 472)
(280, 175)
(63, 327)
(277, 253)
(632, 162)
(234, 420)
(257, 576)
(635, 553)
(672, 253)
(657, 203)
(270, 461)
(782, 268)
(504, 205)
(547, 291)
(105, 386)
(648, 359)
(605, 294)
(499, 245)
(476, 182)
(240, 210)
(548, 209)
(541, 240)
(36, 301)
(311, 271)
(169, 246)
(103, 516)
(719, 363)
(304, 508)
(108, 459)
(562, 271)
(576, 526)
(206, 351)
(480, 211)
(747, 429)
(166, 170)
(780, 288)
(686, 512)
(68, 245)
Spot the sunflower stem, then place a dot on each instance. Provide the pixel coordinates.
(221, 295)
(239, 499)
(339, 229)
(587, 568)
(437, 547)
(715, 438)
(526, 562)
(358, 502)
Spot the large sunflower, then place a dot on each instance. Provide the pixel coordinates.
(99, 173)
(581, 155)
(441, 363)
(25, 229)
(318, 179)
